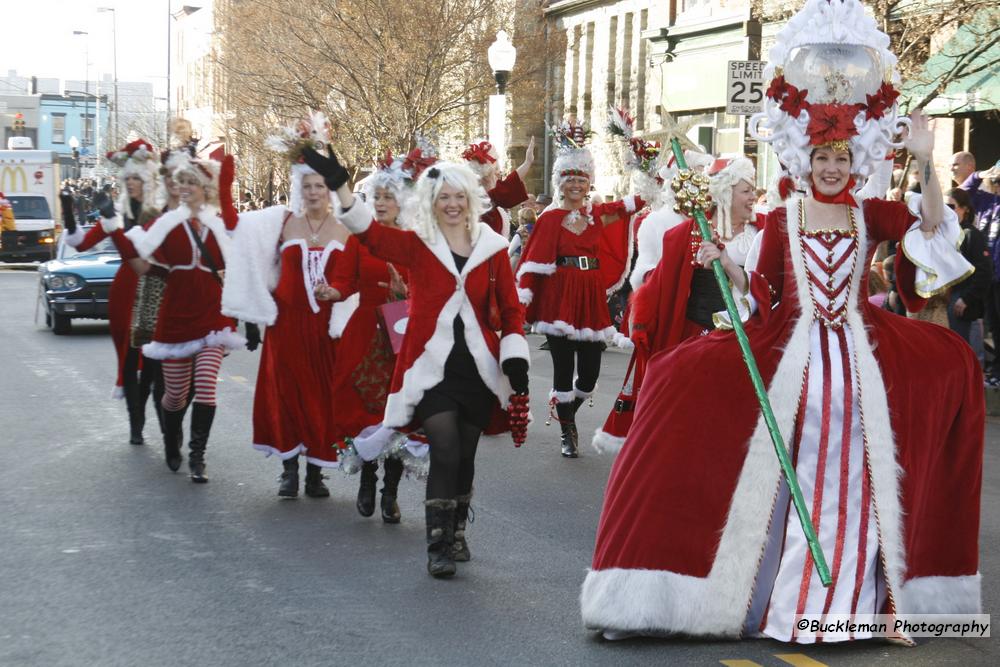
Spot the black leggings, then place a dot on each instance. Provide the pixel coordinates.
(145, 381)
(568, 354)
(453, 442)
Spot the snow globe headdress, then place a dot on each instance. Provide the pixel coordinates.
(832, 84)
(312, 131)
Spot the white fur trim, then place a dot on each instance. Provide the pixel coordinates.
(146, 241)
(561, 396)
(622, 341)
(631, 203)
(514, 346)
(649, 240)
(358, 218)
(579, 393)
(253, 267)
(301, 449)
(74, 239)
(109, 225)
(525, 295)
(942, 595)
(536, 267)
(341, 314)
(117, 393)
(226, 339)
(939, 262)
(560, 328)
(717, 604)
(427, 369)
(605, 443)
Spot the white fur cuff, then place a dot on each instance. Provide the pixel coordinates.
(938, 260)
(631, 203)
(358, 218)
(341, 314)
(536, 267)
(109, 225)
(942, 595)
(514, 346)
(76, 238)
(525, 295)
(605, 443)
(561, 396)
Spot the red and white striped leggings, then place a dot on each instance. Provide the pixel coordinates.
(177, 378)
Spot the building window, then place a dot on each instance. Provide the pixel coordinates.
(59, 128)
(88, 129)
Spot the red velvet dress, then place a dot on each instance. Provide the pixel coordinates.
(295, 410)
(659, 321)
(190, 318)
(884, 418)
(121, 294)
(365, 358)
(571, 301)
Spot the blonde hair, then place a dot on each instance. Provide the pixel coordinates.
(429, 185)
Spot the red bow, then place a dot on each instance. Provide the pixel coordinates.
(479, 153)
(786, 186)
(842, 197)
(415, 162)
(386, 162)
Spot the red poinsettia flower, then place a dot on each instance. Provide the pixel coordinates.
(888, 93)
(831, 122)
(777, 89)
(875, 108)
(795, 101)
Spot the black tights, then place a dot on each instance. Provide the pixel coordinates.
(453, 443)
(145, 381)
(567, 355)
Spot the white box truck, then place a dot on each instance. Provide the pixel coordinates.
(30, 180)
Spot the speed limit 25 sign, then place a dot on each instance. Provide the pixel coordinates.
(745, 87)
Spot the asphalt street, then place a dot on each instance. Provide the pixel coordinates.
(107, 558)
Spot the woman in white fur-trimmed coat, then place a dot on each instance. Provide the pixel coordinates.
(453, 372)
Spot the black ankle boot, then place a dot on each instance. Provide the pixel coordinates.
(315, 488)
(289, 485)
(366, 492)
(460, 548)
(201, 425)
(173, 438)
(136, 415)
(440, 516)
(567, 424)
(390, 489)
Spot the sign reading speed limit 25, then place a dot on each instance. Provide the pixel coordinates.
(745, 87)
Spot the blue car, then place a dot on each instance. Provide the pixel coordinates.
(76, 284)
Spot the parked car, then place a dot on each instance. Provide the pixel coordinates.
(34, 237)
(75, 284)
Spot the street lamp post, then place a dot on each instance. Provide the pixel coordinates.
(114, 46)
(186, 10)
(501, 56)
(86, 82)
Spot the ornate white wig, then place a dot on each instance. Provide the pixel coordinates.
(205, 172)
(722, 178)
(137, 159)
(570, 162)
(429, 186)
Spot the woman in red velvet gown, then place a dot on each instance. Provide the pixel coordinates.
(883, 416)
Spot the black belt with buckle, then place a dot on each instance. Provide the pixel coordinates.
(582, 263)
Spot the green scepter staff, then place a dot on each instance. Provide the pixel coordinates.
(691, 190)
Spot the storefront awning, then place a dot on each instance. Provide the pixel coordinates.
(975, 48)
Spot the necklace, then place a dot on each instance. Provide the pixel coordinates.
(314, 233)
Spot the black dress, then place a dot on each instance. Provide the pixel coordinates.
(462, 390)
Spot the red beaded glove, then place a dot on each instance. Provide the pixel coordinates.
(517, 414)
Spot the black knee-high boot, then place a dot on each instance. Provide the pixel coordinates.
(173, 438)
(440, 516)
(366, 491)
(202, 417)
(315, 488)
(289, 485)
(390, 489)
(567, 424)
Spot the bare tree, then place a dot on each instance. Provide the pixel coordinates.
(384, 71)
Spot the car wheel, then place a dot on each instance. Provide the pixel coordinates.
(61, 324)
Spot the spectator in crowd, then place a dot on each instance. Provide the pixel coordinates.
(525, 224)
(967, 299)
(963, 164)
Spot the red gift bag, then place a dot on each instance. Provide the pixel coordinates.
(393, 317)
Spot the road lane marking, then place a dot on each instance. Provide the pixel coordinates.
(799, 660)
(238, 378)
(740, 663)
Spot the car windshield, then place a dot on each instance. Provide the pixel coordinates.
(104, 247)
(27, 207)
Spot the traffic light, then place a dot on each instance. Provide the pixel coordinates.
(19, 123)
